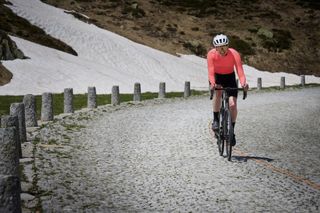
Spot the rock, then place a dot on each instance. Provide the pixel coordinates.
(8, 48)
(26, 187)
(29, 201)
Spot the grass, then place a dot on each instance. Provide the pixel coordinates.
(287, 88)
(80, 101)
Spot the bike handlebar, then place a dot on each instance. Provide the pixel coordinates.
(228, 89)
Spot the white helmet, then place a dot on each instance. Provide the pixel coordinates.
(220, 40)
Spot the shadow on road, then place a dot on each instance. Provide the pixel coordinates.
(246, 158)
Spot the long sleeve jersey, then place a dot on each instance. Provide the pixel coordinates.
(224, 65)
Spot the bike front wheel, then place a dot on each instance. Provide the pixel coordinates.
(229, 135)
(220, 134)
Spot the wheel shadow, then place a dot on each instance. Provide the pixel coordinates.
(246, 158)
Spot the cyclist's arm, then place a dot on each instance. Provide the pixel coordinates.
(211, 69)
(239, 67)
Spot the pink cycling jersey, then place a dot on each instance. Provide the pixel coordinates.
(224, 65)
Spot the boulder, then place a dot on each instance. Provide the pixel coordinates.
(8, 48)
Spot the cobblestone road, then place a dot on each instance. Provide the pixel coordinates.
(159, 156)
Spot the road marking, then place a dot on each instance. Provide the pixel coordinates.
(273, 168)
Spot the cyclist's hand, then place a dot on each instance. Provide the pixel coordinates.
(212, 86)
(218, 86)
(246, 87)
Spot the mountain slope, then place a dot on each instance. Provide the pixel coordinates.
(104, 59)
(271, 35)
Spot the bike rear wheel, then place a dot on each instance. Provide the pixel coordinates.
(229, 137)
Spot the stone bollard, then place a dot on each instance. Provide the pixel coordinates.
(30, 110)
(9, 154)
(137, 92)
(115, 96)
(187, 91)
(17, 109)
(12, 121)
(282, 83)
(162, 90)
(10, 187)
(303, 80)
(68, 100)
(259, 84)
(92, 98)
(47, 107)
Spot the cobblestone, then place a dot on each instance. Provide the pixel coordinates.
(159, 156)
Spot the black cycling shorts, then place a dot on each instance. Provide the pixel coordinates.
(228, 80)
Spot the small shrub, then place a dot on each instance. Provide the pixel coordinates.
(281, 40)
(312, 4)
(253, 30)
(240, 45)
(135, 12)
(270, 14)
(195, 47)
(171, 28)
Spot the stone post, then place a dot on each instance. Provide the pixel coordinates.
(30, 110)
(162, 90)
(92, 98)
(10, 200)
(12, 121)
(137, 92)
(282, 83)
(47, 107)
(115, 96)
(17, 109)
(303, 80)
(259, 84)
(68, 100)
(187, 91)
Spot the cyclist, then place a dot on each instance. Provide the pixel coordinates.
(221, 62)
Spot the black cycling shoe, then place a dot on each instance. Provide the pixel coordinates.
(215, 126)
(233, 141)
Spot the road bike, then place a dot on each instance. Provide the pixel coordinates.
(225, 132)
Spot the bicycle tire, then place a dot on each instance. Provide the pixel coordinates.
(220, 134)
(229, 135)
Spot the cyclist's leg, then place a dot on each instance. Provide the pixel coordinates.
(216, 108)
(233, 108)
(217, 101)
(233, 112)
(233, 94)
